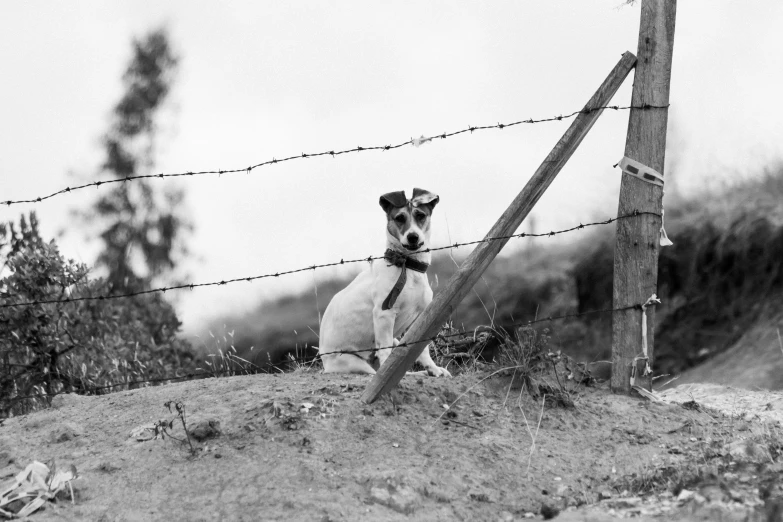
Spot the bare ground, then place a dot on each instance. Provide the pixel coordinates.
(302, 446)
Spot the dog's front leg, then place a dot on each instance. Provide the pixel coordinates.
(433, 369)
(383, 324)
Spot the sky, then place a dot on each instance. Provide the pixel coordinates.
(261, 80)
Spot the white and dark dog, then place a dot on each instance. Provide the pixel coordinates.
(382, 302)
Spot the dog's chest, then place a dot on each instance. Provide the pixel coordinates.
(414, 298)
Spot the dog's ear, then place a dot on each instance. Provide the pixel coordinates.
(423, 197)
(393, 200)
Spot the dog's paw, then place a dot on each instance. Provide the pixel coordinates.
(437, 371)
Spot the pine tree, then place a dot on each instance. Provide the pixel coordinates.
(141, 226)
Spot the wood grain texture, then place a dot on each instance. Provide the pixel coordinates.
(428, 323)
(637, 241)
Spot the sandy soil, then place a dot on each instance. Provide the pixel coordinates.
(302, 446)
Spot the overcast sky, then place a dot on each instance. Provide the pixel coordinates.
(270, 79)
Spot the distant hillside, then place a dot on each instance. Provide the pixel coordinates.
(754, 361)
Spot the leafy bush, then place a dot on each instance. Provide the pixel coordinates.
(80, 346)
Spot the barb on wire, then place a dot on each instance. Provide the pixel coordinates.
(191, 286)
(333, 153)
(275, 366)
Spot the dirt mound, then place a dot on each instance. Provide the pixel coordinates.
(302, 446)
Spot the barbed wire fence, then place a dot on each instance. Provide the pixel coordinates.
(8, 300)
(412, 141)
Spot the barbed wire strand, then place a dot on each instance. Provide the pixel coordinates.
(413, 141)
(205, 374)
(191, 286)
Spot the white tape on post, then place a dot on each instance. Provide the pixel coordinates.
(640, 171)
(645, 173)
(665, 241)
(653, 300)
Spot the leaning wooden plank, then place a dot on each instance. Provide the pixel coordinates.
(638, 240)
(460, 284)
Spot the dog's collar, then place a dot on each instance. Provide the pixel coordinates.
(405, 262)
(400, 258)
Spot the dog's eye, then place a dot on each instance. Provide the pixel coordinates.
(400, 218)
(420, 216)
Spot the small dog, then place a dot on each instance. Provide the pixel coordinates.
(382, 302)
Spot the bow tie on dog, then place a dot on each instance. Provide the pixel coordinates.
(382, 302)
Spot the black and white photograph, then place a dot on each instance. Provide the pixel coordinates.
(350, 260)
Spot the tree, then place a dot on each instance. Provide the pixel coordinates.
(87, 346)
(141, 228)
(15, 238)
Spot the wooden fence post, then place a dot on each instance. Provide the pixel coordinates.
(637, 242)
(428, 323)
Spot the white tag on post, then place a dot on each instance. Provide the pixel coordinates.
(641, 171)
(665, 241)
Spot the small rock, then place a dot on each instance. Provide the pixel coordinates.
(143, 433)
(685, 495)
(218, 456)
(604, 495)
(5, 458)
(380, 495)
(65, 432)
(402, 498)
(562, 490)
(479, 496)
(713, 493)
(205, 429)
(548, 511)
(107, 467)
(736, 496)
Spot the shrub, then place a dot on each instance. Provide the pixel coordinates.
(86, 347)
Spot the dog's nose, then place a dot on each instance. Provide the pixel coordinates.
(413, 238)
